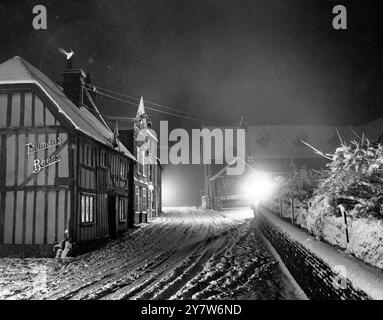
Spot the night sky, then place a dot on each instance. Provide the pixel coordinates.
(275, 61)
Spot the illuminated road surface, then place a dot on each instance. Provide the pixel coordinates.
(185, 254)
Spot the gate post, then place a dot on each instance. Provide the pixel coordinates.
(280, 208)
(292, 209)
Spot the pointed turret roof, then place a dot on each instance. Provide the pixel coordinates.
(141, 108)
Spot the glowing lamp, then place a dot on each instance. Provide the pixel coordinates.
(258, 187)
(168, 192)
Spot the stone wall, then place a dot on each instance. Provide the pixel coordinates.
(320, 270)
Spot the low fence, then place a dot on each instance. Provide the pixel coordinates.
(320, 270)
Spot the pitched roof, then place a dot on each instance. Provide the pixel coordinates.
(18, 71)
(284, 141)
(373, 130)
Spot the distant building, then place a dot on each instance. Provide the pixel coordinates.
(278, 149)
(147, 176)
(373, 130)
(62, 167)
(219, 187)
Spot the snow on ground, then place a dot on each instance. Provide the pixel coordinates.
(184, 254)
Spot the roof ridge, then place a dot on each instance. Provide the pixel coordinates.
(18, 70)
(27, 65)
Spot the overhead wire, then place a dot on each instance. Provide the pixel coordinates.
(138, 99)
(149, 108)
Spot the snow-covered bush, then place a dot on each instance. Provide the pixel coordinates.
(366, 240)
(355, 177)
(314, 219)
(303, 184)
(300, 185)
(365, 233)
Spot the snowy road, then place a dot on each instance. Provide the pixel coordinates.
(185, 254)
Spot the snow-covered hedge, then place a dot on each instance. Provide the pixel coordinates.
(355, 177)
(300, 185)
(352, 182)
(365, 233)
(307, 258)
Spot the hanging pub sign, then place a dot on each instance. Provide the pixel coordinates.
(39, 164)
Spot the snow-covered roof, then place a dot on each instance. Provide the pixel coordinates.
(373, 130)
(222, 171)
(283, 141)
(18, 71)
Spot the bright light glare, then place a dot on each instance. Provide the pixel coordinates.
(258, 187)
(168, 192)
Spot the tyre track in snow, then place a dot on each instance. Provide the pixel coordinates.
(151, 246)
(146, 288)
(113, 271)
(184, 254)
(215, 269)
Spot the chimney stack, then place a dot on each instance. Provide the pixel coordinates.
(74, 81)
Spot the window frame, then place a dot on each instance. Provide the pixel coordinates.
(124, 170)
(124, 201)
(139, 160)
(88, 217)
(144, 165)
(137, 199)
(153, 199)
(89, 155)
(102, 160)
(144, 206)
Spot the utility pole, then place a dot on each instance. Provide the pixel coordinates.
(206, 173)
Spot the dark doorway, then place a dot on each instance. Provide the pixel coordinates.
(112, 216)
